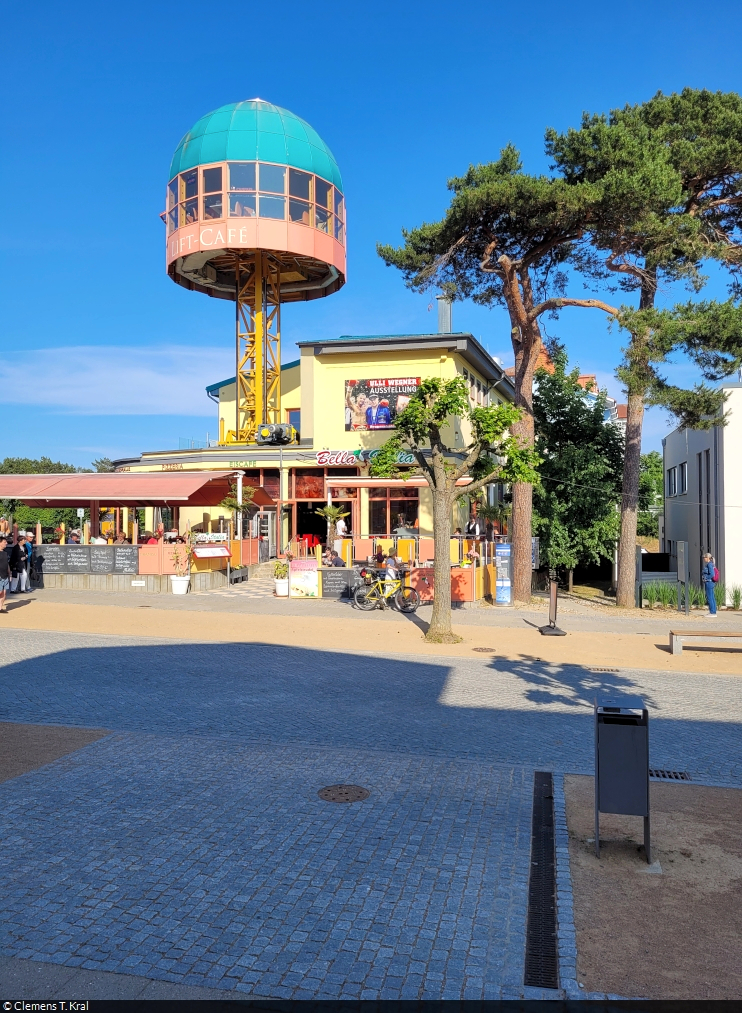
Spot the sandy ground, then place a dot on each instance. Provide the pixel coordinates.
(620, 650)
(674, 935)
(27, 747)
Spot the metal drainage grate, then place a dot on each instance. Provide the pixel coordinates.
(484, 650)
(602, 670)
(669, 775)
(541, 970)
(343, 793)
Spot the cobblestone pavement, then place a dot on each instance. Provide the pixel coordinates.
(574, 616)
(190, 845)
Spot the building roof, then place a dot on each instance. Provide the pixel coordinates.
(255, 130)
(465, 344)
(118, 489)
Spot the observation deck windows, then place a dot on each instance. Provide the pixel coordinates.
(300, 184)
(242, 176)
(242, 205)
(323, 193)
(253, 189)
(300, 211)
(272, 207)
(213, 205)
(322, 219)
(272, 178)
(190, 211)
(189, 184)
(213, 180)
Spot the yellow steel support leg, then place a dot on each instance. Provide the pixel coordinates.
(258, 346)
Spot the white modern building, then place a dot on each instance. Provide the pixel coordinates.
(703, 492)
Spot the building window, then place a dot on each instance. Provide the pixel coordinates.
(293, 417)
(255, 189)
(683, 477)
(309, 483)
(672, 481)
(392, 508)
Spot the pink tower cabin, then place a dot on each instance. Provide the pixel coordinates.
(256, 214)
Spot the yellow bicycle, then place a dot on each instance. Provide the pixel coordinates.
(376, 591)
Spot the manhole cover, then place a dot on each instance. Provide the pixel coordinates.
(485, 650)
(343, 793)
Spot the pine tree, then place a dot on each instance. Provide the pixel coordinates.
(579, 489)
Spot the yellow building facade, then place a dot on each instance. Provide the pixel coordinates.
(341, 396)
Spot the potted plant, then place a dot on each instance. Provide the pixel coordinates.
(332, 514)
(180, 581)
(281, 578)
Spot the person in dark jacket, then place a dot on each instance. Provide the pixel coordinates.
(4, 571)
(707, 576)
(18, 565)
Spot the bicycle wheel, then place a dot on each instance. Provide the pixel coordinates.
(366, 598)
(407, 599)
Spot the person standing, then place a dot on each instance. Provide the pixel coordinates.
(30, 570)
(474, 528)
(18, 565)
(709, 576)
(4, 571)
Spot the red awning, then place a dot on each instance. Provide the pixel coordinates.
(119, 489)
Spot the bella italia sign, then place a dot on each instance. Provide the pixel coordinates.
(341, 457)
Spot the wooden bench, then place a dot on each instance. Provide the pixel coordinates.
(678, 636)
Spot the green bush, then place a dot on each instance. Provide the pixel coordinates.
(720, 594)
(650, 593)
(667, 594)
(735, 596)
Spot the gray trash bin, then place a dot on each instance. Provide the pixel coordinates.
(622, 762)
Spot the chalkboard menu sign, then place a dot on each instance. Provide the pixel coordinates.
(50, 558)
(125, 559)
(101, 558)
(338, 582)
(86, 558)
(78, 559)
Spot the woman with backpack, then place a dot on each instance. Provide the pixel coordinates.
(709, 576)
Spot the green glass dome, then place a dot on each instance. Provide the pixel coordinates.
(255, 130)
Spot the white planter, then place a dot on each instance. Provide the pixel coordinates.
(282, 587)
(179, 585)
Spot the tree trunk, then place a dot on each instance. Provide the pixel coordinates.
(440, 630)
(520, 518)
(625, 591)
(570, 580)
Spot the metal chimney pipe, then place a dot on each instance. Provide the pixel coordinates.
(444, 314)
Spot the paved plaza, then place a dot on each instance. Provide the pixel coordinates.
(189, 845)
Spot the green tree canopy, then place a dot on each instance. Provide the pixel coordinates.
(487, 452)
(579, 488)
(691, 143)
(26, 517)
(505, 239)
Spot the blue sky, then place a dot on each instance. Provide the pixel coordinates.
(101, 353)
